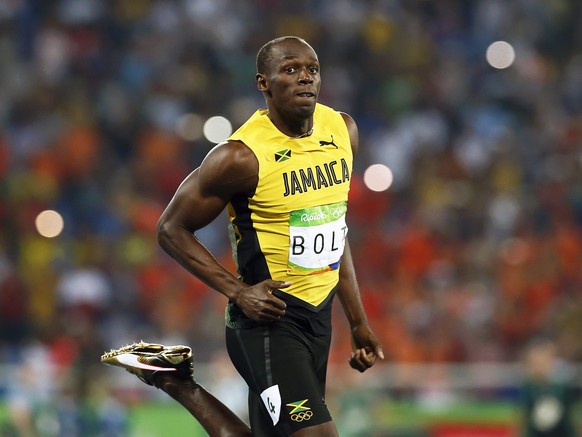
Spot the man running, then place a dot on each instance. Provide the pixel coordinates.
(284, 178)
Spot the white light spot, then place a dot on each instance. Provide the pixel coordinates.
(49, 223)
(378, 177)
(189, 127)
(500, 54)
(217, 129)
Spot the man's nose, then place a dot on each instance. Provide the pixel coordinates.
(305, 76)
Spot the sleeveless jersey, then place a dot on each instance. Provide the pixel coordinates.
(293, 228)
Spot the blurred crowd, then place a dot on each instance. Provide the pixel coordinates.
(474, 250)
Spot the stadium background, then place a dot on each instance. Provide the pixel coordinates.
(474, 250)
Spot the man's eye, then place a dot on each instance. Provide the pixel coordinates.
(313, 70)
(289, 69)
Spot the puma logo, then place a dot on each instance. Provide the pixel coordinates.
(328, 143)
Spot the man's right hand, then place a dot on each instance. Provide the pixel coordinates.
(258, 302)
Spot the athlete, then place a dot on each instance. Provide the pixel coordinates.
(548, 394)
(284, 178)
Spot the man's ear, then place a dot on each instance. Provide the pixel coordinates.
(262, 83)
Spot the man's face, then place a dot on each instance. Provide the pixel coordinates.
(292, 82)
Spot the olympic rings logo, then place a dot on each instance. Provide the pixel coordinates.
(337, 211)
(302, 415)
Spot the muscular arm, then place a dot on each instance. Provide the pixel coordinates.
(365, 345)
(229, 169)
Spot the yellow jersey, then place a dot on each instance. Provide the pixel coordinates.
(293, 228)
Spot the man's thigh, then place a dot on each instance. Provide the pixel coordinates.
(285, 373)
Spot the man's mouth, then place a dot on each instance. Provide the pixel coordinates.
(306, 94)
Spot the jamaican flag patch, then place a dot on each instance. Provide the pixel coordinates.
(282, 155)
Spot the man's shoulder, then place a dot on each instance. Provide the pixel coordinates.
(258, 118)
(339, 118)
(232, 152)
(230, 167)
(328, 110)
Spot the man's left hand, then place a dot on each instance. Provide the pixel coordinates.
(366, 348)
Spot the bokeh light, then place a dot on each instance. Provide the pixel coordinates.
(217, 129)
(49, 223)
(500, 54)
(189, 127)
(378, 177)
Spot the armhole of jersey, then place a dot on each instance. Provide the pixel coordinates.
(345, 124)
(256, 159)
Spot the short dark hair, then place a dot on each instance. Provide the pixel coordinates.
(265, 54)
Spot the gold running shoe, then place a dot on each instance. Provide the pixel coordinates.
(144, 360)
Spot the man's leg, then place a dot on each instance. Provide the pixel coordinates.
(170, 369)
(216, 418)
(278, 363)
(327, 429)
(262, 427)
(213, 415)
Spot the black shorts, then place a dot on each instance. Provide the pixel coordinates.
(284, 364)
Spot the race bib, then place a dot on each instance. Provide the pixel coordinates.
(317, 238)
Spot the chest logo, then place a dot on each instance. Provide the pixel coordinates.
(282, 155)
(327, 143)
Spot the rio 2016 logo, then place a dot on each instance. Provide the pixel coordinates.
(320, 215)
